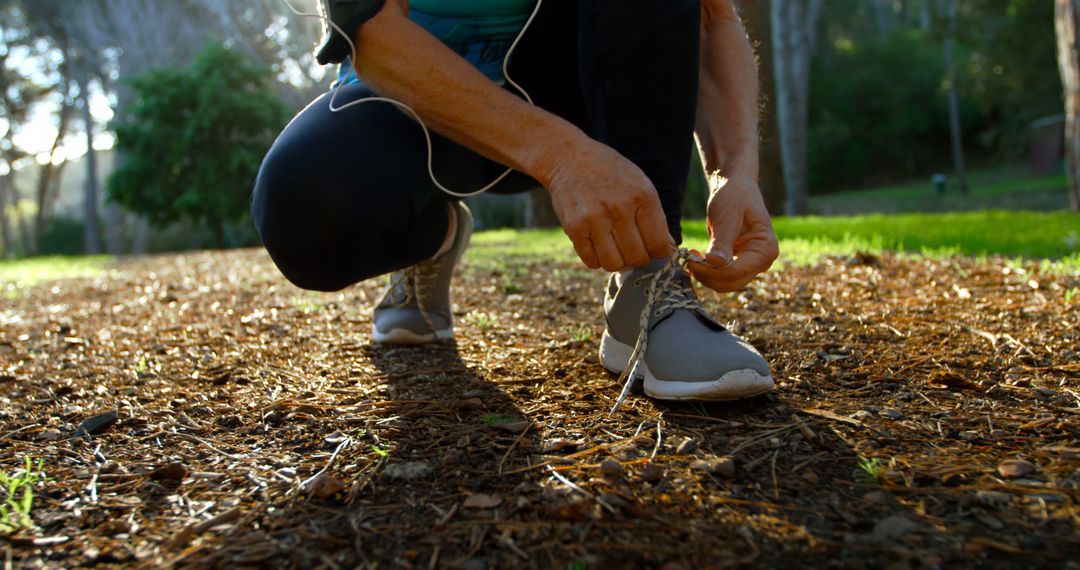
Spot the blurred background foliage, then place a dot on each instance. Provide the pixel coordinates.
(177, 147)
(877, 107)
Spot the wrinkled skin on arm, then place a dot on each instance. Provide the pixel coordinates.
(742, 243)
(606, 204)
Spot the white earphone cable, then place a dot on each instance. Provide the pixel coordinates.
(409, 110)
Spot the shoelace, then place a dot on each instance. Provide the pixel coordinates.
(414, 283)
(660, 296)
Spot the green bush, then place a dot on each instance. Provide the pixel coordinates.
(878, 111)
(194, 139)
(62, 236)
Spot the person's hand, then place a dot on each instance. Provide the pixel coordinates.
(608, 208)
(742, 243)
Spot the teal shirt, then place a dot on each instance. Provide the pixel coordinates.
(480, 31)
(467, 8)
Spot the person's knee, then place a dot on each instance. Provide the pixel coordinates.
(301, 222)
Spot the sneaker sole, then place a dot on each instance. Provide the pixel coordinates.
(405, 336)
(734, 385)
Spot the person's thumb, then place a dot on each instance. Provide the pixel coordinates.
(722, 237)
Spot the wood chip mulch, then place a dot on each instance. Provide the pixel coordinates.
(197, 410)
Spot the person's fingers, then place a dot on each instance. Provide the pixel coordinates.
(607, 251)
(717, 280)
(723, 231)
(654, 232)
(584, 248)
(755, 257)
(631, 248)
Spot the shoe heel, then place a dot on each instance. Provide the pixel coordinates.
(614, 355)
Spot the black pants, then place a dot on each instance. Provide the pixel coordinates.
(342, 197)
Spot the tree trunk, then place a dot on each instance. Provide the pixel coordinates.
(115, 222)
(793, 25)
(219, 233)
(924, 15)
(49, 172)
(755, 15)
(140, 239)
(1067, 20)
(91, 239)
(540, 213)
(21, 222)
(955, 132)
(5, 228)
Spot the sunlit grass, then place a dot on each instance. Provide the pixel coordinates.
(16, 275)
(1052, 237)
(1009, 186)
(18, 499)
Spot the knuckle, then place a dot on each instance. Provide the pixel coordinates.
(576, 229)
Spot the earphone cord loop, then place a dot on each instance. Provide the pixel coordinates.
(409, 110)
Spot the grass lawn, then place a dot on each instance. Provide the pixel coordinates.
(1050, 236)
(28, 272)
(1009, 187)
(1053, 236)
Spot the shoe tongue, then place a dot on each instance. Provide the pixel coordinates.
(680, 282)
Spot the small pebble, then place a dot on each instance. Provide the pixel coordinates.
(49, 435)
(554, 445)
(991, 522)
(1013, 468)
(513, 427)
(891, 413)
(475, 564)
(687, 447)
(468, 404)
(324, 486)
(612, 468)
(993, 498)
(725, 467)
(408, 470)
(862, 415)
(336, 438)
(652, 472)
(482, 501)
(175, 471)
(98, 424)
(878, 498)
(614, 500)
(894, 527)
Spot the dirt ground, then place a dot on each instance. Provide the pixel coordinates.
(927, 414)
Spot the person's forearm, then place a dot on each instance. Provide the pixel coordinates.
(402, 61)
(727, 109)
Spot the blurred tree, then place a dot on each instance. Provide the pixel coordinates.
(1067, 19)
(755, 16)
(879, 102)
(108, 40)
(956, 135)
(1008, 68)
(194, 139)
(21, 89)
(878, 112)
(794, 25)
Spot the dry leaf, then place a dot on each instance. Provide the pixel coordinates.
(482, 501)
